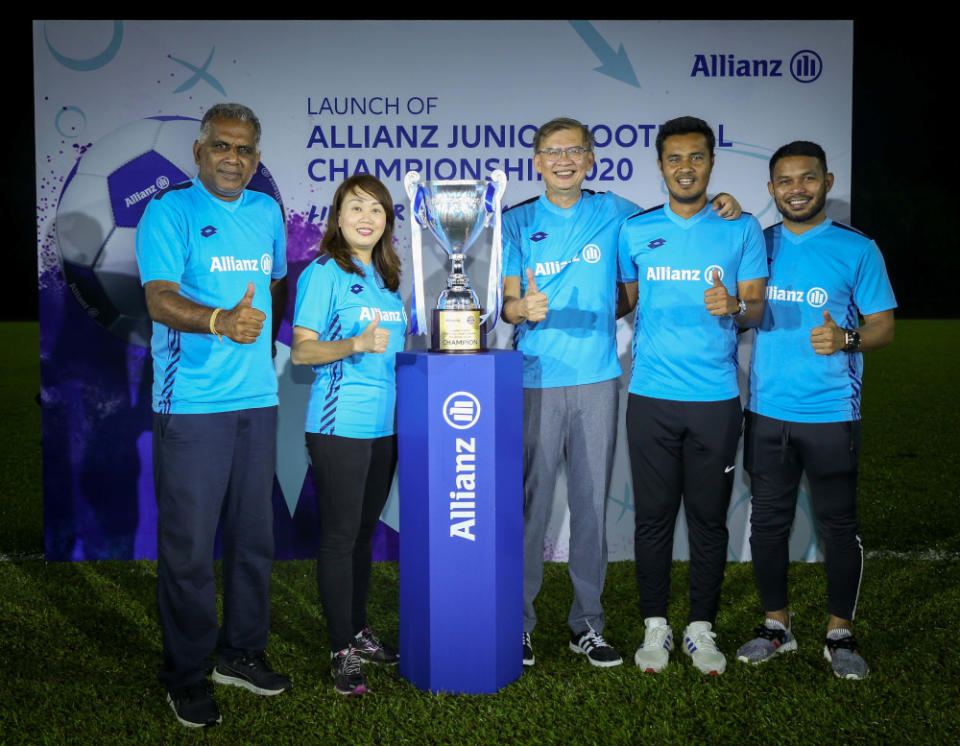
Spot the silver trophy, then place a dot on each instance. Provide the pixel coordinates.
(456, 212)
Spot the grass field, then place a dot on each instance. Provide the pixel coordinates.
(80, 644)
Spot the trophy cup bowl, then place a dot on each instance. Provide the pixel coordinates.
(456, 213)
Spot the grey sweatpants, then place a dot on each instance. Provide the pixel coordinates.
(576, 424)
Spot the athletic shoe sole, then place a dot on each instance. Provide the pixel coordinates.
(190, 723)
(356, 691)
(599, 664)
(228, 680)
(648, 669)
(787, 647)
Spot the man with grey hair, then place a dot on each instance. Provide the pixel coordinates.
(212, 259)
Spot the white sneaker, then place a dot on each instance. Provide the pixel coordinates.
(698, 643)
(654, 654)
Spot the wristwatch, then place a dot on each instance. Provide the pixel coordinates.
(851, 339)
(743, 308)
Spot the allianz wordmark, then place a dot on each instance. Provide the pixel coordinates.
(804, 66)
(461, 411)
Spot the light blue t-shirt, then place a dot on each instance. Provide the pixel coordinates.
(354, 397)
(830, 267)
(573, 255)
(212, 248)
(680, 351)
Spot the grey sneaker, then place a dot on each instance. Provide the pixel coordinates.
(768, 643)
(654, 654)
(528, 659)
(845, 659)
(698, 643)
(598, 651)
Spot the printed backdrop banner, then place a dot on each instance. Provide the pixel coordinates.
(117, 104)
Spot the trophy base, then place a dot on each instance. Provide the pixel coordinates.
(457, 332)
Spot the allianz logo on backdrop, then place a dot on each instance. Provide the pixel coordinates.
(804, 66)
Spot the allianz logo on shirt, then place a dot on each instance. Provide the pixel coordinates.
(369, 313)
(815, 296)
(234, 264)
(590, 254)
(671, 274)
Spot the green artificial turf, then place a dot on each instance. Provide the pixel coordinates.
(80, 645)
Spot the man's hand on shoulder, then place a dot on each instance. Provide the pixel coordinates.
(726, 206)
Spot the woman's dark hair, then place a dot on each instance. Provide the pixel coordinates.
(384, 258)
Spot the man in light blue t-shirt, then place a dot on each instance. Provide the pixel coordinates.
(803, 414)
(694, 279)
(212, 258)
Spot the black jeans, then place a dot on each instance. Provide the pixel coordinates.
(353, 477)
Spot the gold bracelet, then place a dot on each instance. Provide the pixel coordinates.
(213, 324)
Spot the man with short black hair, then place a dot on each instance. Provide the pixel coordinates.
(803, 414)
(212, 259)
(694, 279)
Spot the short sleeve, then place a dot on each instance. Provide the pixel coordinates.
(161, 243)
(753, 260)
(872, 292)
(316, 298)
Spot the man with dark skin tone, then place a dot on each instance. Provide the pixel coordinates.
(212, 257)
(804, 408)
(684, 414)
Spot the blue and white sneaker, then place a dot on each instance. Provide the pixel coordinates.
(654, 654)
(770, 641)
(698, 643)
(598, 651)
(845, 659)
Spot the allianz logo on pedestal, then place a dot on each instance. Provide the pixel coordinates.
(461, 411)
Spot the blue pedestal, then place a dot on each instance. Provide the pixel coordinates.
(460, 427)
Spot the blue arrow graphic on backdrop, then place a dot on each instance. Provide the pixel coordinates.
(200, 73)
(615, 64)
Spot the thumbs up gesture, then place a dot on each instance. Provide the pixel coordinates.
(827, 338)
(242, 323)
(718, 301)
(535, 303)
(372, 339)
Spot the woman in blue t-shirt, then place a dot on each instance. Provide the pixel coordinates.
(349, 323)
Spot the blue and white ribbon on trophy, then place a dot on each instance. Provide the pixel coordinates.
(492, 201)
(421, 220)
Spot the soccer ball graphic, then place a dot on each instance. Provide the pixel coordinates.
(102, 201)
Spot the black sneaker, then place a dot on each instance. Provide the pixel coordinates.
(347, 672)
(368, 646)
(528, 659)
(591, 644)
(194, 705)
(252, 672)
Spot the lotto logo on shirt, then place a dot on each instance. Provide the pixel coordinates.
(815, 297)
